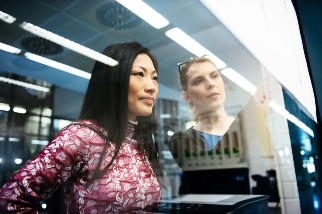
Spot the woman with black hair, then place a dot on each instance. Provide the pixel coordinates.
(106, 160)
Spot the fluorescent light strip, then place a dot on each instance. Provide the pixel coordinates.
(57, 65)
(239, 80)
(68, 44)
(282, 111)
(7, 18)
(193, 46)
(9, 49)
(24, 84)
(4, 107)
(145, 12)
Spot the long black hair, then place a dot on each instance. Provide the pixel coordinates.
(106, 102)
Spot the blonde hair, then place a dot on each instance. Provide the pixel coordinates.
(185, 66)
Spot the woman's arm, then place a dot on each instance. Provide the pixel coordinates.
(39, 177)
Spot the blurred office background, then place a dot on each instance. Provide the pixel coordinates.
(267, 51)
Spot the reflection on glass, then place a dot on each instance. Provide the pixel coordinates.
(213, 143)
(256, 151)
(3, 121)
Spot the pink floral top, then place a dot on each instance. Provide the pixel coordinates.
(129, 184)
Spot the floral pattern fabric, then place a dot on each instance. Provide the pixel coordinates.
(70, 159)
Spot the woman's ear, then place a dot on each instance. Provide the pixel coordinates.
(186, 96)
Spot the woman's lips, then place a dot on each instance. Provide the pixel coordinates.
(213, 95)
(148, 100)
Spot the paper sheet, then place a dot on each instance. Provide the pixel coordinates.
(200, 198)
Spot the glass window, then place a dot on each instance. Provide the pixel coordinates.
(270, 145)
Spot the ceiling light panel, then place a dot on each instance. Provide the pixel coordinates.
(7, 18)
(239, 80)
(193, 46)
(145, 12)
(9, 49)
(24, 84)
(58, 65)
(68, 44)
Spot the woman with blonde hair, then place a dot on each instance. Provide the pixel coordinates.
(204, 91)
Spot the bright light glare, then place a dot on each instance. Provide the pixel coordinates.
(270, 31)
(39, 142)
(239, 80)
(24, 84)
(145, 12)
(4, 107)
(19, 110)
(193, 46)
(7, 18)
(165, 115)
(282, 111)
(68, 44)
(9, 49)
(18, 160)
(170, 133)
(57, 65)
(310, 167)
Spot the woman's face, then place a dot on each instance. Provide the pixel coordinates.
(205, 87)
(143, 87)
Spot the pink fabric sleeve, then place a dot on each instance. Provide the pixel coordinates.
(38, 178)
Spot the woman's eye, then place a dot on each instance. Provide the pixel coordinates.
(138, 74)
(197, 82)
(215, 75)
(156, 78)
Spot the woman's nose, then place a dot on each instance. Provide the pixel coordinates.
(210, 84)
(150, 86)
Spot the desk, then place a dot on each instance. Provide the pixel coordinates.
(214, 203)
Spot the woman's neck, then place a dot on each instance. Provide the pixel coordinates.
(133, 122)
(214, 123)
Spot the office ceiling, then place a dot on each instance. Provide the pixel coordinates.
(98, 23)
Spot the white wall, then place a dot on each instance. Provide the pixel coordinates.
(271, 151)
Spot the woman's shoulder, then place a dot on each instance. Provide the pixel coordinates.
(83, 128)
(85, 124)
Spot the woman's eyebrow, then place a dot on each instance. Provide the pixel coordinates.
(144, 69)
(197, 77)
(214, 71)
